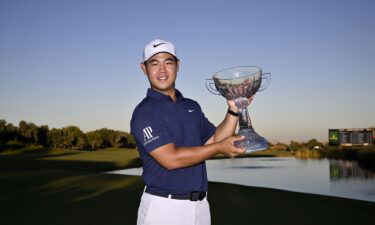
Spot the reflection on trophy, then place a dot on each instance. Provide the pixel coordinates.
(238, 84)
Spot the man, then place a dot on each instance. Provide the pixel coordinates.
(174, 139)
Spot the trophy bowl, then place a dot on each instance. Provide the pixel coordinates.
(239, 84)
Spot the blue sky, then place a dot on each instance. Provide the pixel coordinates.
(77, 62)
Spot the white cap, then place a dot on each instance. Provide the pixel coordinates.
(156, 46)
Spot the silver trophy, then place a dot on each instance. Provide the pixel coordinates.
(238, 84)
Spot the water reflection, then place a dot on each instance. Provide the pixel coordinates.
(335, 178)
(339, 169)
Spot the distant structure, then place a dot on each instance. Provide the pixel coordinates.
(351, 137)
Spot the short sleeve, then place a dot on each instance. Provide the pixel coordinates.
(149, 131)
(207, 128)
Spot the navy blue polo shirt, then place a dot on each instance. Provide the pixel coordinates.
(158, 121)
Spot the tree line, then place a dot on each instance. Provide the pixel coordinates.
(296, 146)
(70, 137)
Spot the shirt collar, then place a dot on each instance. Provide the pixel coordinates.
(160, 96)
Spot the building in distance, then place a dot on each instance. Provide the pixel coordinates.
(351, 137)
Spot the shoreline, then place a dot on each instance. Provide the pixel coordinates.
(294, 185)
(66, 188)
(68, 197)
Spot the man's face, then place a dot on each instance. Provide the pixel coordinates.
(161, 70)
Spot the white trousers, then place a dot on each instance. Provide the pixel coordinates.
(155, 210)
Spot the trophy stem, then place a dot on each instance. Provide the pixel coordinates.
(253, 141)
(244, 120)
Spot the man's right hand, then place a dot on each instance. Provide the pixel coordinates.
(228, 149)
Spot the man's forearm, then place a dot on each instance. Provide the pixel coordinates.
(173, 158)
(226, 128)
(189, 156)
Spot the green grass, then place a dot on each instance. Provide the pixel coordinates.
(94, 161)
(272, 153)
(69, 187)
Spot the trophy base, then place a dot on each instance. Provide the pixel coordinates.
(253, 142)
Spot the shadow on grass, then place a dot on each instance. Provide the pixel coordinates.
(60, 192)
(34, 190)
(85, 187)
(69, 197)
(27, 162)
(237, 204)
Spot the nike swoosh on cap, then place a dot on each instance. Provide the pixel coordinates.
(158, 45)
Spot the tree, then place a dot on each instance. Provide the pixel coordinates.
(28, 132)
(130, 140)
(12, 132)
(94, 139)
(312, 143)
(70, 137)
(280, 147)
(294, 146)
(42, 135)
(105, 138)
(124, 140)
(74, 138)
(121, 141)
(3, 132)
(56, 138)
(8, 133)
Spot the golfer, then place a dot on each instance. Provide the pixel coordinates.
(174, 138)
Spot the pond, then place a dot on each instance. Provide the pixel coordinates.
(326, 177)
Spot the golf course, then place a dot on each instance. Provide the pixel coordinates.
(39, 186)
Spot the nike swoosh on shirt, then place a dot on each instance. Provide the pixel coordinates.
(158, 45)
(190, 110)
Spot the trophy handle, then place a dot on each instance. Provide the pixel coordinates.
(266, 80)
(211, 87)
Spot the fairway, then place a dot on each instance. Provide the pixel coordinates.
(70, 188)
